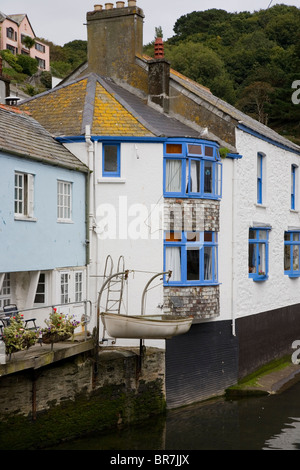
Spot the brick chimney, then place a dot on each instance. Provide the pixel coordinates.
(159, 77)
(115, 36)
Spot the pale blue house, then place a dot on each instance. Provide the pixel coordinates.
(43, 236)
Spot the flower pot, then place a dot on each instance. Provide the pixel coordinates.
(49, 338)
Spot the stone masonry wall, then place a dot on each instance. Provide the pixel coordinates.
(72, 397)
(201, 302)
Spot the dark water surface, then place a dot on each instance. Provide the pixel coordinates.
(260, 423)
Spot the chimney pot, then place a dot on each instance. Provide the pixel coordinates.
(120, 4)
(159, 49)
(109, 6)
(132, 3)
(98, 7)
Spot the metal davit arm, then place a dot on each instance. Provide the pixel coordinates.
(146, 288)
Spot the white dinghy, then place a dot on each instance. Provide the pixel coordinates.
(142, 326)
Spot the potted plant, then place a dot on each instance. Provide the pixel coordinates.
(60, 327)
(16, 337)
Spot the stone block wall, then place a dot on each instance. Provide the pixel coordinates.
(73, 397)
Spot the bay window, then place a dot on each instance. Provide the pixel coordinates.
(192, 257)
(192, 170)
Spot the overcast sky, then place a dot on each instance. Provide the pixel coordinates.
(61, 21)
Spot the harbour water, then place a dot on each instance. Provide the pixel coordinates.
(256, 423)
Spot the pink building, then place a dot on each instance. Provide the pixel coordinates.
(14, 28)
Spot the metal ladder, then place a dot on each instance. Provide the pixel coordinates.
(115, 287)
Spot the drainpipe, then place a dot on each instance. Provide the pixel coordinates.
(233, 246)
(90, 205)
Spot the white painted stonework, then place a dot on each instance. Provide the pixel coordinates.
(240, 295)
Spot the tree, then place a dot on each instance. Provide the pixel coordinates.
(28, 42)
(255, 101)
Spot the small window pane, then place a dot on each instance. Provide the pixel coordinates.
(193, 236)
(173, 176)
(174, 149)
(287, 258)
(194, 176)
(208, 263)
(111, 158)
(208, 168)
(173, 262)
(195, 149)
(209, 151)
(193, 266)
(173, 236)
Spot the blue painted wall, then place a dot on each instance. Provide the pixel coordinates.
(44, 244)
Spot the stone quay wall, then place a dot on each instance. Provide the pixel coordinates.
(76, 396)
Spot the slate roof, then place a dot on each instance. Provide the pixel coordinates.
(23, 136)
(217, 105)
(108, 108)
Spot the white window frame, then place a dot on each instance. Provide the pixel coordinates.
(64, 201)
(64, 287)
(5, 291)
(78, 286)
(43, 292)
(24, 195)
(71, 286)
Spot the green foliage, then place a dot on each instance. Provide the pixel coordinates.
(28, 64)
(11, 59)
(248, 59)
(16, 337)
(28, 42)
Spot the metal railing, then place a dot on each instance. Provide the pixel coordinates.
(87, 318)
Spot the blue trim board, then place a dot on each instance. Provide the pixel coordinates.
(246, 129)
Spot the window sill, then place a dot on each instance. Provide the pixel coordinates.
(61, 221)
(294, 211)
(192, 196)
(25, 219)
(194, 284)
(111, 180)
(261, 206)
(292, 275)
(259, 278)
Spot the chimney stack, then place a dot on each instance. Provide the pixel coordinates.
(159, 77)
(115, 37)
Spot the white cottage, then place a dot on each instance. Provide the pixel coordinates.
(161, 198)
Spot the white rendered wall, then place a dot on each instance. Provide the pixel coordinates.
(128, 222)
(279, 290)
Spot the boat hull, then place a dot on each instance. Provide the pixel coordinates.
(145, 326)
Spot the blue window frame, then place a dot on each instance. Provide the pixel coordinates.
(293, 186)
(111, 161)
(291, 253)
(192, 257)
(259, 178)
(192, 170)
(258, 253)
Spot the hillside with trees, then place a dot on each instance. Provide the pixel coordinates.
(248, 59)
